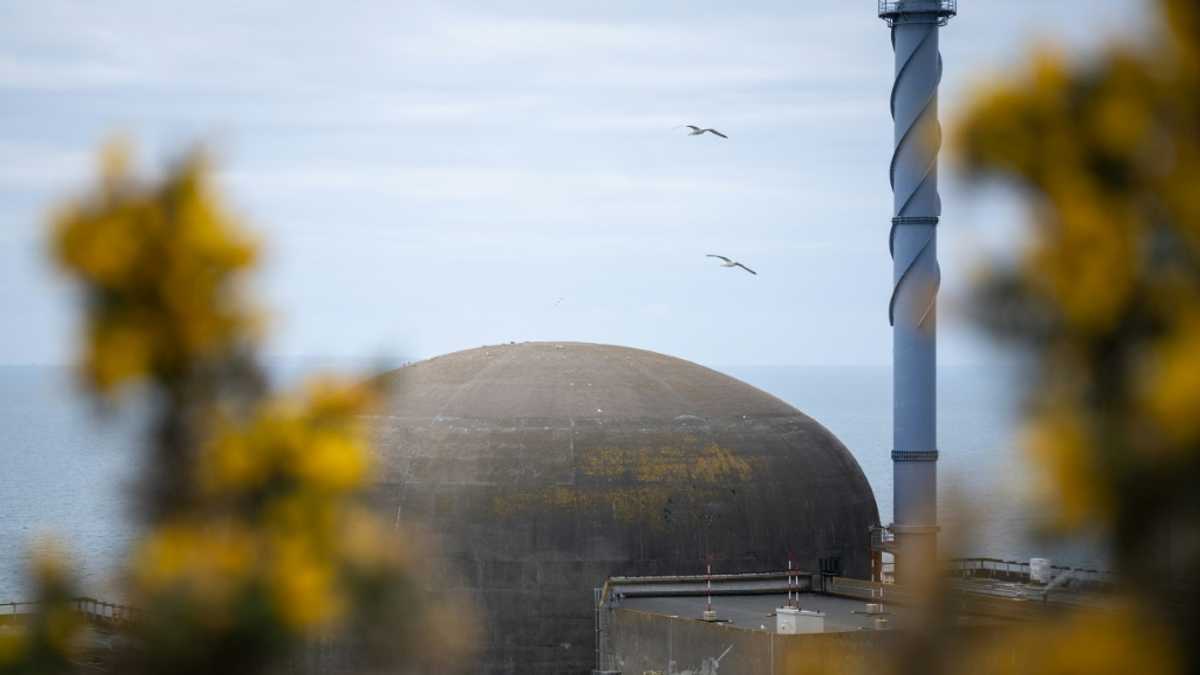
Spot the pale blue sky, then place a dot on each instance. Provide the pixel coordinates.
(432, 176)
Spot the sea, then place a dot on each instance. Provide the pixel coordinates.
(66, 467)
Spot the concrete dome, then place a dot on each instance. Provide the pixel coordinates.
(548, 467)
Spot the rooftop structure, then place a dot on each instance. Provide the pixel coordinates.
(657, 624)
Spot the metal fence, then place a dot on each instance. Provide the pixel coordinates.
(1018, 570)
(94, 610)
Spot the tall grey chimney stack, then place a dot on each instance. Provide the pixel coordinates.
(915, 277)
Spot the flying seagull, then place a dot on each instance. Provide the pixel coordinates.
(696, 131)
(731, 263)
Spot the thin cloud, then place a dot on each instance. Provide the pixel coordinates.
(359, 135)
(40, 166)
(466, 182)
(18, 73)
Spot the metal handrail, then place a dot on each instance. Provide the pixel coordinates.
(889, 10)
(1019, 570)
(93, 609)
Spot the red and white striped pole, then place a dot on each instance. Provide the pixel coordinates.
(789, 583)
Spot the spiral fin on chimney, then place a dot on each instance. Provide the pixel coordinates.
(912, 309)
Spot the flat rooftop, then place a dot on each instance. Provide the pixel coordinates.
(757, 612)
(749, 601)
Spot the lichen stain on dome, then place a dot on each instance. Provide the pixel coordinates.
(662, 477)
(628, 504)
(667, 464)
(657, 507)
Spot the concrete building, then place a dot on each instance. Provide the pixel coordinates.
(546, 468)
(656, 625)
(744, 623)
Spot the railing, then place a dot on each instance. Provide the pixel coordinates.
(869, 591)
(889, 10)
(966, 601)
(94, 610)
(766, 583)
(13, 608)
(882, 539)
(1017, 570)
(999, 569)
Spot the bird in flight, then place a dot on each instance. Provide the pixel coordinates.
(696, 131)
(731, 263)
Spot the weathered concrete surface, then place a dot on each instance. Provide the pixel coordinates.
(651, 643)
(548, 467)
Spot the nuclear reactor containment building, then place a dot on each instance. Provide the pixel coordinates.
(546, 468)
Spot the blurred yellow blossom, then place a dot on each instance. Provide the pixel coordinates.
(204, 562)
(1123, 640)
(54, 634)
(1085, 257)
(1070, 479)
(14, 645)
(332, 461)
(303, 584)
(317, 442)
(1107, 298)
(1171, 389)
(160, 264)
(257, 541)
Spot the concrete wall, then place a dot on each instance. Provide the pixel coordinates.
(645, 643)
(531, 515)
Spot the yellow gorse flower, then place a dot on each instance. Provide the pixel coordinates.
(1110, 154)
(1123, 640)
(55, 634)
(1070, 479)
(159, 264)
(202, 565)
(316, 444)
(257, 540)
(303, 582)
(1170, 389)
(1107, 298)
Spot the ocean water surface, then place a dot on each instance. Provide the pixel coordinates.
(65, 470)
